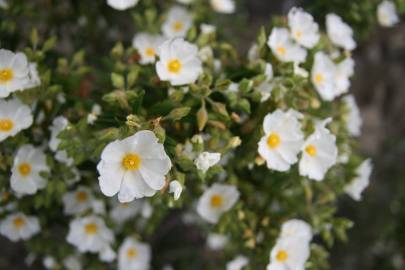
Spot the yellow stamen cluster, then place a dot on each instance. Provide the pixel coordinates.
(131, 162)
(273, 141)
(174, 66)
(216, 201)
(19, 222)
(132, 253)
(91, 228)
(282, 256)
(24, 169)
(311, 150)
(6, 125)
(6, 75)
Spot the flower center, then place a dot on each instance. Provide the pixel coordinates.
(6, 125)
(174, 66)
(178, 26)
(150, 52)
(19, 222)
(282, 256)
(273, 141)
(24, 169)
(216, 201)
(6, 75)
(91, 228)
(318, 78)
(81, 196)
(131, 162)
(298, 34)
(132, 253)
(311, 150)
(281, 50)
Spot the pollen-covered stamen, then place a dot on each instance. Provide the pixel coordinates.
(132, 253)
(91, 228)
(131, 162)
(81, 196)
(178, 26)
(25, 169)
(273, 140)
(311, 150)
(282, 256)
(216, 201)
(281, 50)
(19, 222)
(6, 125)
(6, 75)
(318, 78)
(174, 66)
(150, 52)
(298, 34)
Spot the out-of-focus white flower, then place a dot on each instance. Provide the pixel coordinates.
(134, 167)
(216, 241)
(206, 160)
(323, 76)
(289, 254)
(223, 6)
(207, 28)
(123, 212)
(49, 262)
(72, 263)
(3, 4)
(319, 153)
(217, 200)
(95, 112)
(29, 162)
(134, 255)
(387, 14)
(90, 234)
(361, 181)
(176, 188)
(284, 48)
(34, 80)
(304, 29)
(186, 2)
(282, 140)
(179, 62)
(77, 202)
(19, 227)
(177, 23)
(297, 229)
(205, 53)
(58, 125)
(344, 70)
(353, 119)
(238, 263)
(14, 117)
(266, 87)
(122, 4)
(147, 46)
(340, 33)
(14, 72)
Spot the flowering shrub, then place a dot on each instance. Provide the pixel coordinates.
(252, 151)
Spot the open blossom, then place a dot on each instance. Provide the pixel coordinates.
(78, 201)
(122, 4)
(93, 116)
(58, 125)
(323, 76)
(344, 70)
(14, 117)
(147, 46)
(289, 254)
(134, 167)
(319, 153)
(353, 118)
(122, 212)
(298, 229)
(176, 188)
(177, 23)
(304, 30)
(217, 241)
(90, 234)
(238, 263)
(14, 72)
(266, 87)
(179, 62)
(19, 227)
(72, 262)
(29, 162)
(282, 140)
(284, 48)
(387, 14)
(223, 6)
(217, 200)
(134, 255)
(206, 160)
(361, 181)
(340, 33)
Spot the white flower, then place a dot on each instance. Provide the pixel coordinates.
(319, 153)
(134, 255)
(361, 181)
(223, 6)
(284, 48)
(58, 125)
(323, 76)
(340, 33)
(207, 28)
(14, 72)
(206, 160)
(14, 117)
(29, 162)
(19, 227)
(93, 116)
(176, 188)
(238, 263)
(186, 2)
(387, 14)
(266, 87)
(297, 229)
(122, 4)
(90, 234)
(34, 80)
(216, 241)
(353, 118)
(134, 167)
(49, 262)
(282, 140)
(217, 200)
(344, 70)
(289, 254)
(3, 4)
(304, 29)
(77, 202)
(72, 263)
(147, 46)
(177, 23)
(179, 62)
(123, 212)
